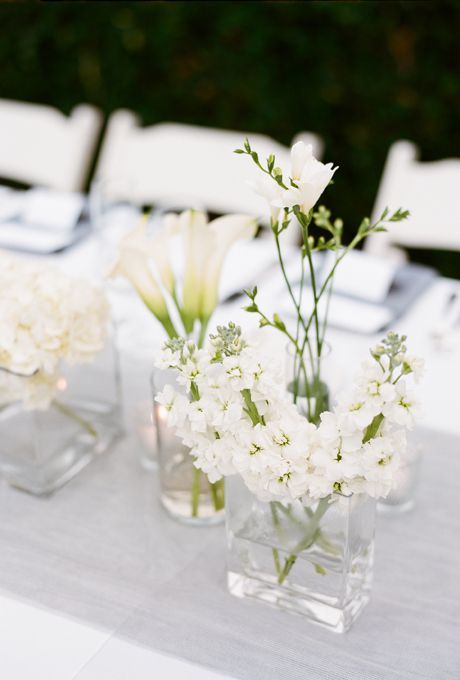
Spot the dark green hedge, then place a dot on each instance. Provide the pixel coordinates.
(362, 74)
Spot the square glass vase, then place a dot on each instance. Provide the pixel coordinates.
(314, 560)
(42, 449)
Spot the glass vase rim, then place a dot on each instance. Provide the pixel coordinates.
(326, 346)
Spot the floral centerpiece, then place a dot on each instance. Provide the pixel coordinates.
(50, 323)
(183, 304)
(302, 478)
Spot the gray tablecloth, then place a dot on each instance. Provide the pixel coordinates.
(102, 550)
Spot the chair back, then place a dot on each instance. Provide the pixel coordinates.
(429, 191)
(40, 145)
(180, 166)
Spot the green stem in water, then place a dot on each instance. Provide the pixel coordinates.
(196, 484)
(307, 541)
(276, 522)
(73, 415)
(217, 494)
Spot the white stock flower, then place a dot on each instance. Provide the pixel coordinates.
(224, 409)
(403, 408)
(415, 365)
(215, 457)
(372, 384)
(278, 454)
(175, 405)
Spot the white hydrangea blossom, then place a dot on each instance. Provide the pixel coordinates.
(237, 418)
(47, 317)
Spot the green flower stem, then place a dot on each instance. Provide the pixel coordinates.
(217, 494)
(196, 486)
(183, 317)
(73, 415)
(276, 522)
(286, 279)
(308, 540)
(203, 329)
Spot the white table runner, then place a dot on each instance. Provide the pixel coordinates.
(102, 551)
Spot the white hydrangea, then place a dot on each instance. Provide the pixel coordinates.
(47, 317)
(238, 418)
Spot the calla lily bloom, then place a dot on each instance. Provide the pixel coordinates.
(224, 232)
(132, 263)
(205, 246)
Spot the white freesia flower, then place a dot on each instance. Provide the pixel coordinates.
(269, 190)
(310, 176)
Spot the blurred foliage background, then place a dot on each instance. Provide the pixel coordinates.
(361, 74)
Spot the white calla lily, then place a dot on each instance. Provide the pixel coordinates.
(224, 232)
(135, 251)
(195, 234)
(206, 245)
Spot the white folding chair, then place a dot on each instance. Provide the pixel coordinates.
(180, 166)
(429, 191)
(40, 145)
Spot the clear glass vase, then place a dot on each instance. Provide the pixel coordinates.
(313, 560)
(402, 497)
(44, 447)
(312, 380)
(185, 492)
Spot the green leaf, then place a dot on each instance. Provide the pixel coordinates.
(251, 308)
(399, 215)
(239, 151)
(278, 322)
(373, 428)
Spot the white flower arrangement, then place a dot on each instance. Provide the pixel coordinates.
(232, 409)
(47, 318)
